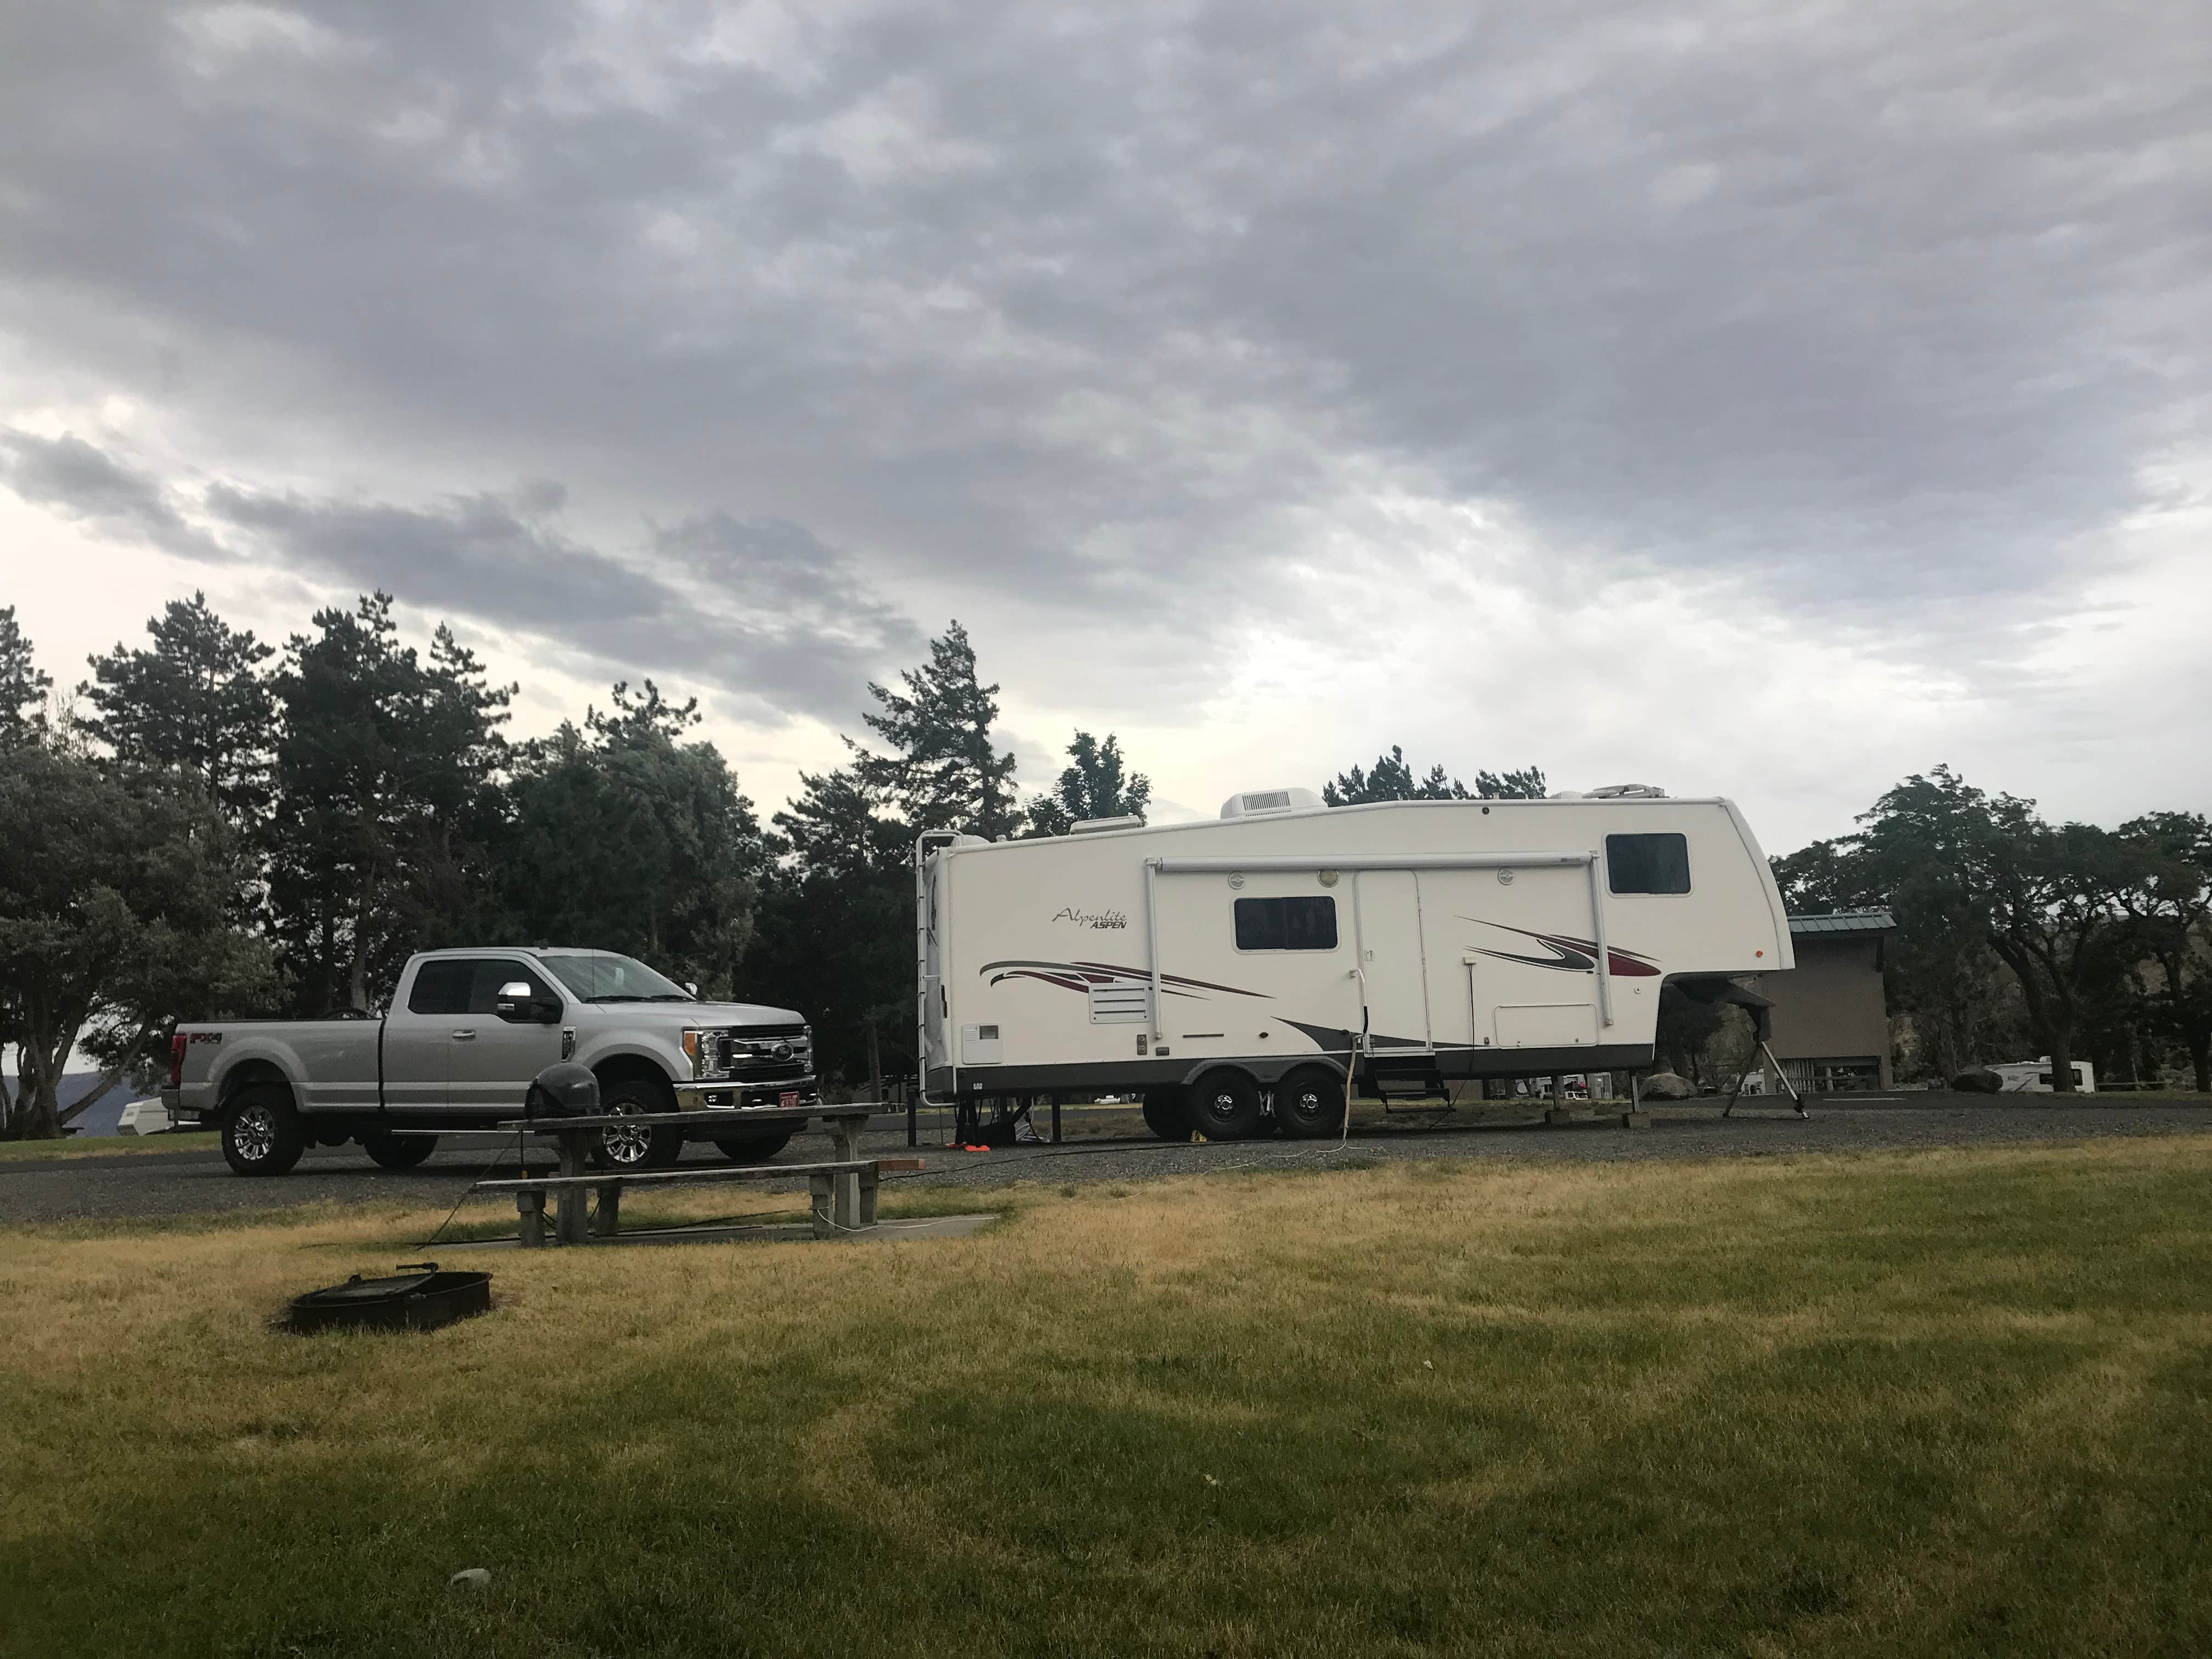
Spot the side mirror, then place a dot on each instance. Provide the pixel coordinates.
(692, 988)
(518, 1003)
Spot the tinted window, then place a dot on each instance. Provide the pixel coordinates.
(1647, 863)
(484, 983)
(1286, 924)
(441, 987)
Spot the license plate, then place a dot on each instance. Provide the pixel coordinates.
(788, 1097)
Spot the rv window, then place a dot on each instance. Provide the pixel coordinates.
(1647, 863)
(1286, 924)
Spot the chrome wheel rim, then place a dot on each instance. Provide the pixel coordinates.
(254, 1133)
(625, 1144)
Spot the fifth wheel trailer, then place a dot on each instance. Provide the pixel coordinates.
(1231, 968)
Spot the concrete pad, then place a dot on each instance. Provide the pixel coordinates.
(1562, 1114)
(916, 1230)
(1636, 1119)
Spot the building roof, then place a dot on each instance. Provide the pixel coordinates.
(1845, 922)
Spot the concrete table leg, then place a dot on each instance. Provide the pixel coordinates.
(532, 1207)
(1635, 1117)
(573, 1224)
(869, 1180)
(609, 1217)
(818, 1204)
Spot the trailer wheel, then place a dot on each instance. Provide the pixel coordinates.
(391, 1152)
(1224, 1105)
(1309, 1104)
(261, 1132)
(643, 1148)
(753, 1149)
(1165, 1113)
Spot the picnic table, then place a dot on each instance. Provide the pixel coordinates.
(850, 1178)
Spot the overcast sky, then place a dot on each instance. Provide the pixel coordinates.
(1757, 399)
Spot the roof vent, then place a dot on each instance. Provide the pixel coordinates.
(1092, 826)
(1629, 792)
(1261, 802)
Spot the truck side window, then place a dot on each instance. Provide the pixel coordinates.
(483, 987)
(1647, 863)
(1286, 924)
(441, 988)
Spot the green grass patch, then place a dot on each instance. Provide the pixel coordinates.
(191, 1141)
(1957, 1402)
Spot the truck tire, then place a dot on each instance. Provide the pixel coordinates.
(391, 1152)
(655, 1148)
(261, 1132)
(1309, 1104)
(1224, 1105)
(754, 1149)
(1166, 1115)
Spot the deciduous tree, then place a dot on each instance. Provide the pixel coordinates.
(1392, 778)
(1097, 786)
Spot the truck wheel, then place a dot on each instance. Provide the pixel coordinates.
(261, 1132)
(1224, 1105)
(1309, 1104)
(643, 1148)
(754, 1149)
(1166, 1115)
(391, 1152)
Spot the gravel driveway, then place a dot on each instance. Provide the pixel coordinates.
(1106, 1144)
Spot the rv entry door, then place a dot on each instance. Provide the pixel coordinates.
(1392, 961)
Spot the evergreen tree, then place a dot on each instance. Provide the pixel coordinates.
(197, 704)
(386, 775)
(942, 767)
(628, 837)
(23, 687)
(1392, 778)
(1096, 787)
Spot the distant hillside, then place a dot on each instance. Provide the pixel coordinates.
(102, 1120)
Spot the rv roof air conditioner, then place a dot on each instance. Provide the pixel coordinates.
(1092, 826)
(1629, 792)
(1260, 802)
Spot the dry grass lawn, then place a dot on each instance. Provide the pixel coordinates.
(1939, 1403)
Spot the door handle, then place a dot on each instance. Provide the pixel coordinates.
(464, 1036)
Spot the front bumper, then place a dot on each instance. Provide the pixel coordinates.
(734, 1094)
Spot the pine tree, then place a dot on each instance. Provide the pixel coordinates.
(386, 780)
(1392, 778)
(197, 704)
(1097, 787)
(23, 687)
(943, 770)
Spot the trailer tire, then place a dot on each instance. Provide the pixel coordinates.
(389, 1151)
(753, 1149)
(1165, 1113)
(655, 1148)
(1224, 1105)
(262, 1134)
(1309, 1104)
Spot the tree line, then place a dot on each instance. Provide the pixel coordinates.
(212, 825)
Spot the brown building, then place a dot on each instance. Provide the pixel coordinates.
(1831, 1013)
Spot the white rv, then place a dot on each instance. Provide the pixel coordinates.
(1244, 966)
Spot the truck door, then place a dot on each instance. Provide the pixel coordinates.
(418, 1032)
(491, 1060)
(1391, 961)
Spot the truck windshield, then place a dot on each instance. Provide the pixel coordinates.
(602, 976)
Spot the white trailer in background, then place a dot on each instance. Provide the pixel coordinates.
(1230, 967)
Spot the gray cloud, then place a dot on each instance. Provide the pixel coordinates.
(1881, 308)
(782, 626)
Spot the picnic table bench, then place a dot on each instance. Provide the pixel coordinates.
(842, 1190)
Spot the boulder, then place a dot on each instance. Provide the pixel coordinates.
(1980, 1080)
(1665, 1085)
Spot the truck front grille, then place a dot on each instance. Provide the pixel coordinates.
(769, 1054)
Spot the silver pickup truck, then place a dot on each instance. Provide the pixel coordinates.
(466, 1032)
